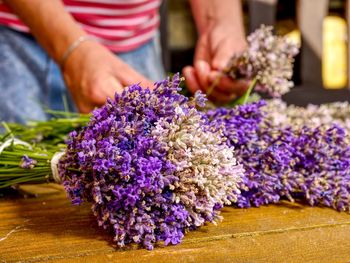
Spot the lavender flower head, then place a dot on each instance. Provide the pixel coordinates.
(27, 163)
(151, 166)
(269, 59)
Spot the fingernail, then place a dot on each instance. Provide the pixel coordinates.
(185, 69)
(202, 65)
(219, 65)
(214, 75)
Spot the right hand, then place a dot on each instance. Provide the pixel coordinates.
(214, 48)
(93, 73)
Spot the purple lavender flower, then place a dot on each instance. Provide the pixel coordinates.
(27, 163)
(143, 162)
(308, 163)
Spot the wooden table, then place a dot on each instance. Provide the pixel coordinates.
(49, 228)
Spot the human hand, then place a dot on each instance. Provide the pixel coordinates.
(93, 73)
(215, 47)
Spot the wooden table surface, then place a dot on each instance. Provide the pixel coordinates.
(48, 228)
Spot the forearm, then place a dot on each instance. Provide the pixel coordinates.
(209, 12)
(52, 26)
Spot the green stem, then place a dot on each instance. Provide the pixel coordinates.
(7, 128)
(37, 156)
(244, 98)
(12, 172)
(38, 178)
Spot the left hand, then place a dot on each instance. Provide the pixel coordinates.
(215, 47)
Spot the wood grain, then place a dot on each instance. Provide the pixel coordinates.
(49, 228)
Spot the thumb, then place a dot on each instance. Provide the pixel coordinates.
(106, 88)
(113, 86)
(224, 51)
(202, 51)
(221, 56)
(128, 76)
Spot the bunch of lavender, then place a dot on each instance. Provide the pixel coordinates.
(311, 163)
(151, 166)
(268, 59)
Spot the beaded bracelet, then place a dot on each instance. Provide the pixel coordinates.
(72, 47)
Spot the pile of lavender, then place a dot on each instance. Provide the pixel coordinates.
(151, 166)
(311, 163)
(268, 59)
(155, 166)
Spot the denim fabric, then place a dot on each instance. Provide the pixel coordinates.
(30, 81)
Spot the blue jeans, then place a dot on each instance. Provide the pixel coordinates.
(30, 81)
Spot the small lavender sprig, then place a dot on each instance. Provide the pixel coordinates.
(268, 59)
(28, 163)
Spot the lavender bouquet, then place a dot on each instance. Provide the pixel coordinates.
(268, 60)
(147, 161)
(311, 163)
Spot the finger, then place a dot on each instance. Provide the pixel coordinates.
(104, 88)
(113, 86)
(219, 97)
(220, 61)
(228, 85)
(191, 79)
(224, 51)
(202, 70)
(221, 55)
(238, 87)
(128, 76)
(202, 49)
(85, 108)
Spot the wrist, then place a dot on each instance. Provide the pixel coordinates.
(213, 13)
(77, 60)
(73, 47)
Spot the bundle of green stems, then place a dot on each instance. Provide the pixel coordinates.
(37, 142)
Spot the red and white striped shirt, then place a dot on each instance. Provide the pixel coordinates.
(120, 25)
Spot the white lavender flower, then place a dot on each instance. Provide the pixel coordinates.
(280, 114)
(206, 167)
(269, 59)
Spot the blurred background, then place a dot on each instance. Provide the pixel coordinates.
(321, 71)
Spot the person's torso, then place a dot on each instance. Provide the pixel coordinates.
(121, 25)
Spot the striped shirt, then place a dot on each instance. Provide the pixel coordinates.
(120, 25)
